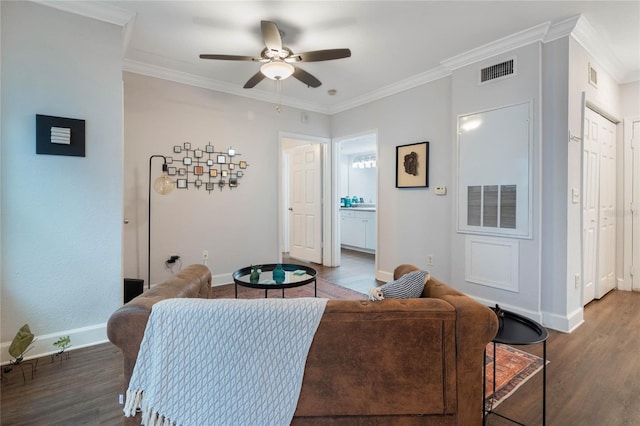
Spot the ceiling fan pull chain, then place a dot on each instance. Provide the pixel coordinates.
(279, 90)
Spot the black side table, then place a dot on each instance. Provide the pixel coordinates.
(516, 329)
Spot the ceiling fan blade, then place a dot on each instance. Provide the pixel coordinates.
(271, 35)
(228, 57)
(323, 55)
(306, 78)
(257, 78)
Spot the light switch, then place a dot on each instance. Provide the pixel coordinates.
(575, 196)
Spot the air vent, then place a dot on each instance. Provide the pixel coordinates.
(593, 76)
(498, 71)
(492, 206)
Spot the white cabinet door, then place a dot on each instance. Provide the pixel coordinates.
(358, 229)
(370, 231)
(352, 231)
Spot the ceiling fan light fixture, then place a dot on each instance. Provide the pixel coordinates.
(277, 70)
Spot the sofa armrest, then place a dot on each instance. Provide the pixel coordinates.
(126, 326)
(476, 326)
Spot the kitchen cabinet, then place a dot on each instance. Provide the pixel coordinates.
(358, 229)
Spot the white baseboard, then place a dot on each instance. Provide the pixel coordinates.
(565, 324)
(43, 345)
(624, 285)
(222, 279)
(534, 315)
(384, 276)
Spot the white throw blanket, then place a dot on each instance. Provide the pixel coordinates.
(223, 362)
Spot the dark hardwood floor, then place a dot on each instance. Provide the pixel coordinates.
(593, 378)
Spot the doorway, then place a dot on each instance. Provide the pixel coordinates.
(331, 193)
(304, 221)
(631, 206)
(634, 266)
(599, 206)
(357, 190)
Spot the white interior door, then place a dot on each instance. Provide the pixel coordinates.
(607, 215)
(635, 215)
(599, 206)
(590, 185)
(305, 203)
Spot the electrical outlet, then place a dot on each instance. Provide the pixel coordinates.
(205, 254)
(121, 399)
(577, 281)
(430, 260)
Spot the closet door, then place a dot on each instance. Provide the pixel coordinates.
(599, 204)
(590, 203)
(607, 215)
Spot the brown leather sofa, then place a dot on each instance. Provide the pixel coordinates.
(389, 362)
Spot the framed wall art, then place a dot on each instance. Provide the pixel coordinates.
(412, 165)
(205, 168)
(60, 136)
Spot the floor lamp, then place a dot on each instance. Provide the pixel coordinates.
(163, 186)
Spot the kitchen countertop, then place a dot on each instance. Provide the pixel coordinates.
(362, 209)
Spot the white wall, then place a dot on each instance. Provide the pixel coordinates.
(61, 216)
(469, 97)
(566, 87)
(412, 223)
(555, 146)
(238, 227)
(607, 97)
(630, 99)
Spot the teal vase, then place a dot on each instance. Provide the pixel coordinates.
(278, 274)
(255, 274)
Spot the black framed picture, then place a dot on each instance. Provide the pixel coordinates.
(59, 136)
(412, 165)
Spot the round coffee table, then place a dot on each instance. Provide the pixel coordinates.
(294, 276)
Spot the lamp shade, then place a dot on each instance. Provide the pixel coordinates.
(164, 184)
(277, 70)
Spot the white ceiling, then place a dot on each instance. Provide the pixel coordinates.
(395, 44)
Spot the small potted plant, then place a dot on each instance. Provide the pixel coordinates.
(62, 344)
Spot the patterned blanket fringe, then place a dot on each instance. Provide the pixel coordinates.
(150, 417)
(132, 402)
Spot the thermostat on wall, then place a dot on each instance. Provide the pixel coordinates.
(441, 190)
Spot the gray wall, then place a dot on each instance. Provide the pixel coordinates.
(412, 223)
(236, 226)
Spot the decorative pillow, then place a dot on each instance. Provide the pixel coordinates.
(407, 286)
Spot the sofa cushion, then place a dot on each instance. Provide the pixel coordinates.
(408, 286)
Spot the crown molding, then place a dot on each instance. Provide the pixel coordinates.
(577, 27)
(208, 83)
(588, 38)
(100, 11)
(392, 89)
(561, 29)
(497, 47)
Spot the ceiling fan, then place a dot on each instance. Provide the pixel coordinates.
(277, 59)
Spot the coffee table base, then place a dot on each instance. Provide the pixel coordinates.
(315, 290)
